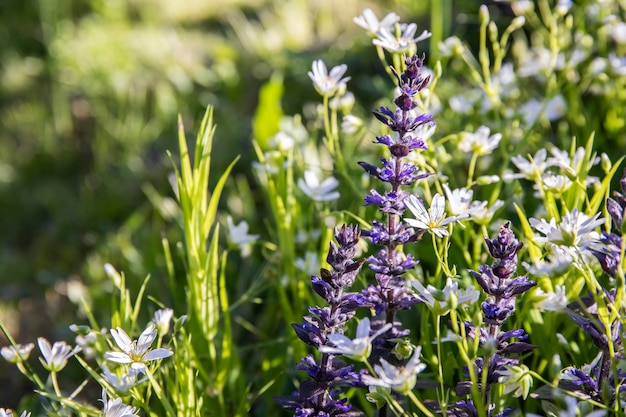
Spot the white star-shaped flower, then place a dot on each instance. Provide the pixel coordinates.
(556, 263)
(123, 383)
(55, 357)
(327, 84)
(432, 219)
(535, 166)
(370, 22)
(116, 408)
(479, 142)
(136, 352)
(576, 230)
(18, 353)
(316, 190)
(556, 301)
(238, 233)
(554, 183)
(358, 348)
(400, 379)
(440, 301)
(387, 40)
(162, 319)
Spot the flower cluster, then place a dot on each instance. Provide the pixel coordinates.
(391, 292)
(502, 288)
(323, 330)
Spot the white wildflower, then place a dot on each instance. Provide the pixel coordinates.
(451, 46)
(521, 7)
(358, 348)
(6, 412)
(562, 7)
(87, 343)
(432, 219)
(479, 142)
(557, 184)
(55, 357)
(283, 141)
(17, 353)
(328, 84)
(459, 199)
(517, 380)
(441, 301)
(316, 190)
(482, 214)
(555, 108)
(556, 263)
(556, 301)
(618, 64)
(116, 408)
(387, 40)
(617, 31)
(400, 379)
(162, 319)
(310, 264)
(238, 233)
(370, 22)
(535, 166)
(122, 384)
(575, 230)
(136, 352)
(350, 124)
(552, 110)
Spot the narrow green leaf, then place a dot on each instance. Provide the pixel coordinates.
(209, 216)
(533, 250)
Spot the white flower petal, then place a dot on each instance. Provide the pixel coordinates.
(118, 357)
(159, 353)
(121, 339)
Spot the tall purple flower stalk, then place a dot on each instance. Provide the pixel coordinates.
(391, 292)
(320, 395)
(502, 288)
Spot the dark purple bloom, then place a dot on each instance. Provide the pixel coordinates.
(502, 288)
(391, 263)
(391, 202)
(608, 252)
(617, 207)
(309, 334)
(592, 327)
(405, 174)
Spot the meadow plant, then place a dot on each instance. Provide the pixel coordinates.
(164, 370)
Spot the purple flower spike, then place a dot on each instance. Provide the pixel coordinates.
(502, 288)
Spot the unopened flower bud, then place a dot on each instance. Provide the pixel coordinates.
(484, 14)
(606, 162)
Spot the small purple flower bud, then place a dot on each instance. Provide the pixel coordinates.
(399, 150)
(309, 334)
(322, 288)
(405, 102)
(616, 211)
(609, 254)
(592, 327)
